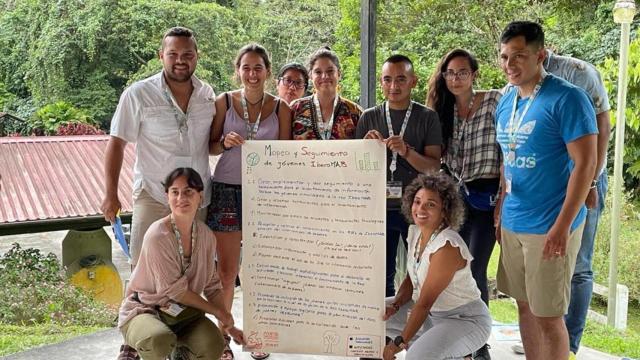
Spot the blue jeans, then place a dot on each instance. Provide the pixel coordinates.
(582, 280)
(396, 227)
(479, 234)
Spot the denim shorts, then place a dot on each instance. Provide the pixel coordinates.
(225, 211)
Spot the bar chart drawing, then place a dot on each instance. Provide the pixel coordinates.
(365, 164)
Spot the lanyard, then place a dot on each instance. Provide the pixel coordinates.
(407, 115)
(252, 130)
(194, 233)
(418, 257)
(512, 126)
(181, 119)
(459, 136)
(324, 131)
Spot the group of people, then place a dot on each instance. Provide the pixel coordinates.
(516, 165)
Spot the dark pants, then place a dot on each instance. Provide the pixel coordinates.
(479, 234)
(396, 227)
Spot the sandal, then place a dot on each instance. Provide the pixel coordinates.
(227, 354)
(259, 355)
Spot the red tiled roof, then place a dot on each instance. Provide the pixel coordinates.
(57, 177)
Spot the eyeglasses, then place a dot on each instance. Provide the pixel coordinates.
(290, 82)
(461, 75)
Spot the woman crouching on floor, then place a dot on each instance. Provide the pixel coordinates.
(447, 320)
(163, 313)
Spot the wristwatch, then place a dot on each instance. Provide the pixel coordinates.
(399, 342)
(594, 183)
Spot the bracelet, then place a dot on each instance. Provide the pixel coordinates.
(224, 148)
(395, 306)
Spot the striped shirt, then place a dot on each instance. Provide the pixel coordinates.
(479, 155)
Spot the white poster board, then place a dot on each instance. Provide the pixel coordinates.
(313, 227)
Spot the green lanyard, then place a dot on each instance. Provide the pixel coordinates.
(194, 234)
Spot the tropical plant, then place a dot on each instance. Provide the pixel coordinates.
(50, 117)
(35, 291)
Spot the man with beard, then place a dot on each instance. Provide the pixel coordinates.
(168, 116)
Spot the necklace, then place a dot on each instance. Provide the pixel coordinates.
(252, 129)
(185, 261)
(419, 250)
(459, 127)
(324, 129)
(254, 103)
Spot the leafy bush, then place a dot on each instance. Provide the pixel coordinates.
(628, 245)
(50, 117)
(631, 157)
(78, 129)
(34, 291)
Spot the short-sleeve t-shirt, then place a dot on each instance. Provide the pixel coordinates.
(560, 113)
(423, 129)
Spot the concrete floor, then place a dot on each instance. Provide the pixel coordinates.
(104, 345)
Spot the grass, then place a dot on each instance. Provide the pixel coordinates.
(596, 336)
(16, 338)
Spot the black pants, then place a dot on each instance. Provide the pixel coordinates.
(480, 235)
(396, 227)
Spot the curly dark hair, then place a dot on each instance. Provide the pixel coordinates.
(439, 98)
(445, 186)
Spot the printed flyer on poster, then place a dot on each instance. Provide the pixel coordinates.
(313, 263)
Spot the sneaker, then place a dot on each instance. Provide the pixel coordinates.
(572, 356)
(257, 355)
(518, 348)
(128, 353)
(180, 353)
(482, 353)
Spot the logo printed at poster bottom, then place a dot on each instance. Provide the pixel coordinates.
(363, 346)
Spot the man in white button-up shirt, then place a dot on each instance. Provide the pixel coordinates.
(168, 116)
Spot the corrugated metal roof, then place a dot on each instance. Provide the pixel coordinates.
(57, 177)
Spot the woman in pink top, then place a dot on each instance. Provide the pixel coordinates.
(164, 310)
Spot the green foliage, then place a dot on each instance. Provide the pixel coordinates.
(596, 336)
(628, 244)
(609, 70)
(16, 338)
(34, 291)
(50, 117)
(5, 97)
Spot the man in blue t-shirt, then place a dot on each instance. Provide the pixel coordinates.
(547, 130)
(585, 76)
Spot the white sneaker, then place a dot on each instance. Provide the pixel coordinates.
(518, 348)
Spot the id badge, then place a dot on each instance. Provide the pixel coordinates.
(507, 180)
(394, 189)
(172, 309)
(183, 161)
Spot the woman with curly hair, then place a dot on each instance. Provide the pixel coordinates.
(447, 319)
